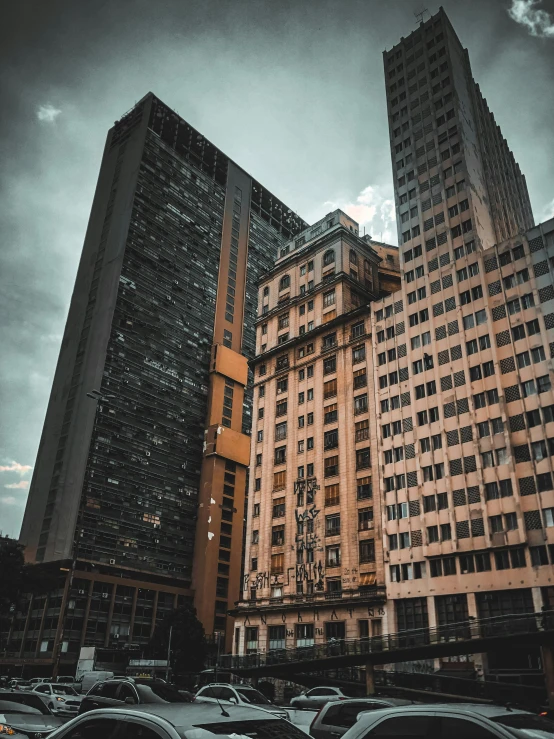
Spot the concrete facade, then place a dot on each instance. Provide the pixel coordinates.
(314, 564)
(149, 475)
(461, 424)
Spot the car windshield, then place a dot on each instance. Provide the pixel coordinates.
(265, 729)
(63, 690)
(11, 707)
(527, 726)
(23, 702)
(159, 693)
(252, 696)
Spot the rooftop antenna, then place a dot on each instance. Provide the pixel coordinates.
(419, 14)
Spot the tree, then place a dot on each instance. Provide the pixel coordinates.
(188, 641)
(12, 566)
(17, 578)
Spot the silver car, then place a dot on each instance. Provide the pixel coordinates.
(451, 721)
(317, 697)
(178, 721)
(241, 695)
(62, 700)
(335, 718)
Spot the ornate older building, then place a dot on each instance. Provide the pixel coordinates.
(314, 562)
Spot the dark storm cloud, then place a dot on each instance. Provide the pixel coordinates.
(293, 91)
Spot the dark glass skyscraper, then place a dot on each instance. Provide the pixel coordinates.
(161, 317)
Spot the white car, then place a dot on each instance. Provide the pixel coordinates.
(241, 695)
(451, 721)
(316, 698)
(62, 700)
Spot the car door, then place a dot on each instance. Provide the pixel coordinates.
(457, 727)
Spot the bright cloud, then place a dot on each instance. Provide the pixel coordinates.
(21, 485)
(372, 209)
(47, 113)
(20, 469)
(8, 500)
(538, 22)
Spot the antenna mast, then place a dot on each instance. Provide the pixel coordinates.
(419, 15)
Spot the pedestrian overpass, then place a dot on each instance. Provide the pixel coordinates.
(474, 636)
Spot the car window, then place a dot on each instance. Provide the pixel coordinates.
(207, 692)
(27, 699)
(348, 713)
(225, 694)
(62, 690)
(159, 693)
(127, 691)
(12, 707)
(94, 728)
(261, 729)
(321, 691)
(97, 689)
(404, 727)
(461, 728)
(526, 725)
(42, 689)
(137, 730)
(253, 696)
(110, 689)
(331, 715)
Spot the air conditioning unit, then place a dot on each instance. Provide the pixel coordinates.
(81, 592)
(112, 561)
(147, 454)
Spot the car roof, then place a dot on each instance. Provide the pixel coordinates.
(374, 698)
(177, 713)
(486, 710)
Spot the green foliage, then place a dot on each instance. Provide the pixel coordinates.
(12, 566)
(188, 641)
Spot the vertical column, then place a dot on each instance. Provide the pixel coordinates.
(154, 613)
(537, 599)
(479, 660)
(547, 654)
(110, 616)
(369, 679)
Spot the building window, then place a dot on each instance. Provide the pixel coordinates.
(331, 466)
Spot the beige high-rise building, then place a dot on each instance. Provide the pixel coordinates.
(460, 408)
(314, 561)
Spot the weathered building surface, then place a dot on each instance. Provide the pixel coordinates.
(149, 476)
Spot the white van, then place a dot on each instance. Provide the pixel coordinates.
(92, 677)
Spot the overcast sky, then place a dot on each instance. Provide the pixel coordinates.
(291, 90)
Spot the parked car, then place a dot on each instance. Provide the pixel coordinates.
(451, 721)
(26, 714)
(38, 680)
(180, 722)
(244, 695)
(65, 679)
(18, 683)
(131, 691)
(336, 717)
(317, 697)
(62, 700)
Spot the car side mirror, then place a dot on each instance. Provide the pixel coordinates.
(131, 701)
(233, 700)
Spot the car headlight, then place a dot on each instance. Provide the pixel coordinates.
(62, 700)
(7, 730)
